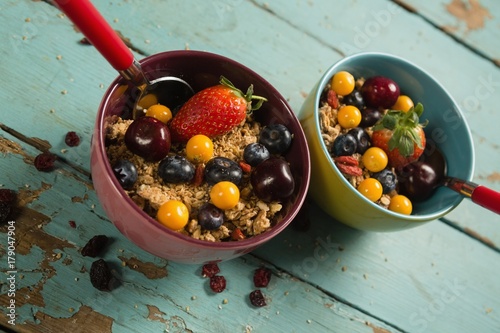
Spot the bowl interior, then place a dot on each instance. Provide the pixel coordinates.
(447, 128)
(201, 70)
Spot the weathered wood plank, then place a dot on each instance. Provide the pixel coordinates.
(53, 290)
(474, 23)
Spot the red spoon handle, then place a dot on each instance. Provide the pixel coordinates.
(487, 198)
(91, 23)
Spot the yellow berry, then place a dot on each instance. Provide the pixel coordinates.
(343, 83)
(349, 116)
(403, 103)
(173, 214)
(147, 100)
(401, 204)
(371, 188)
(375, 159)
(199, 149)
(225, 195)
(160, 112)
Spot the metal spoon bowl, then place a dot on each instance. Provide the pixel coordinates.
(478, 194)
(100, 34)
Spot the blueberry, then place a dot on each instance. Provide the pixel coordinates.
(255, 153)
(276, 137)
(176, 169)
(344, 145)
(362, 139)
(222, 169)
(369, 117)
(210, 217)
(388, 180)
(126, 173)
(355, 98)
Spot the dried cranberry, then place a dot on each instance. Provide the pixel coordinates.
(7, 201)
(72, 139)
(257, 299)
(100, 275)
(45, 161)
(217, 283)
(209, 270)
(94, 246)
(72, 224)
(261, 277)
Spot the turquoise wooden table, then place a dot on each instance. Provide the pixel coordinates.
(442, 277)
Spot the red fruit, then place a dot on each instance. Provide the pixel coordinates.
(380, 91)
(401, 136)
(209, 270)
(213, 111)
(149, 138)
(261, 277)
(217, 283)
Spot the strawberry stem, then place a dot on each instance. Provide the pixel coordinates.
(403, 125)
(249, 96)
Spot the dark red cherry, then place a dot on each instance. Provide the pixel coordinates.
(380, 91)
(149, 138)
(417, 181)
(272, 180)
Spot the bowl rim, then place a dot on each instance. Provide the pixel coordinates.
(246, 243)
(326, 77)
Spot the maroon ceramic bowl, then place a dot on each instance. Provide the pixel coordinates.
(201, 70)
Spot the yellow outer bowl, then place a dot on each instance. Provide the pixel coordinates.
(331, 190)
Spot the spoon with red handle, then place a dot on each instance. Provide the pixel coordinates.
(100, 34)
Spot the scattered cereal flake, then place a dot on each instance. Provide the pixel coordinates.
(187, 308)
(59, 57)
(76, 279)
(64, 151)
(287, 293)
(58, 255)
(365, 276)
(219, 307)
(225, 301)
(309, 321)
(116, 20)
(25, 37)
(71, 309)
(27, 19)
(248, 329)
(193, 298)
(21, 276)
(64, 92)
(60, 15)
(489, 310)
(101, 85)
(344, 268)
(52, 111)
(147, 41)
(186, 46)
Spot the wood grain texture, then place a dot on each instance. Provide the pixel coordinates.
(329, 278)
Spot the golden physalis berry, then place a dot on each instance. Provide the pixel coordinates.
(225, 195)
(403, 103)
(147, 100)
(173, 214)
(160, 112)
(343, 83)
(400, 204)
(199, 149)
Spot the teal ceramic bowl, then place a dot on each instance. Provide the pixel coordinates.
(447, 129)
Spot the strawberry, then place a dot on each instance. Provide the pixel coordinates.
(401, 136)
(213, 111)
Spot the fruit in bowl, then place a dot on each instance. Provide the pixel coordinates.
(368, 134)
(180, 186)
